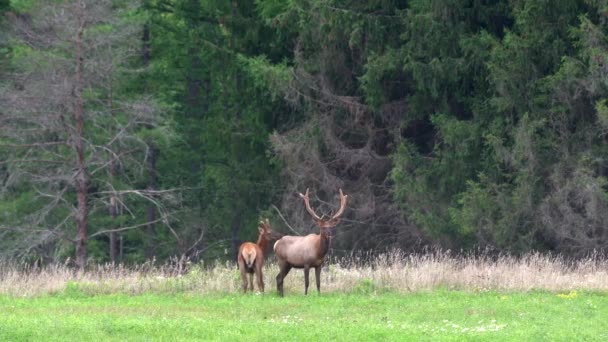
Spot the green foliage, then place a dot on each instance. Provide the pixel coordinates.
(414, 186)
(18, 5)
(273, 77)
(20, 205)
(602, 113)
(221, 134)
(493, 114)
(378, 69)
(429, 185)
(527, 115)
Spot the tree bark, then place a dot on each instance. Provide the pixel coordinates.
(113, 172)
(197, 82)
(81, 178)
(151, 155)
(150, 250)
(235, 242)
(146, 45)
(113, 235)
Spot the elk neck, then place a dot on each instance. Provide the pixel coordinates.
(262, 243)
(324, 241)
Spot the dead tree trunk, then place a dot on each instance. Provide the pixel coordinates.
(113, 235)
(150, 250)
(45, 104)
(235, 242)
(151, 156)
(81, 177)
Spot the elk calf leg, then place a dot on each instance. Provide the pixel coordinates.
(251, 282)
(243, 276)
(260, 281)
(318, 277)
(306, 278)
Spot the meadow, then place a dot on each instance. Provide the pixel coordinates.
(436, 315)
(393, 297)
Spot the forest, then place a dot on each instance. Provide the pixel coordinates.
(144, 130)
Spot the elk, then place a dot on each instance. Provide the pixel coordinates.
(251, 256)
(307, 251)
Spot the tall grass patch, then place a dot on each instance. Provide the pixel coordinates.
(395, 272)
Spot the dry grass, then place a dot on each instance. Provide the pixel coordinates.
(394, 271)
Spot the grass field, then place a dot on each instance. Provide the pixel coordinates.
(436, 315)
(394, 297)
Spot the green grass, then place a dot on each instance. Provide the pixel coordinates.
(436, 315)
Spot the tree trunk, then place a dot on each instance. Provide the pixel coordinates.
(150, 250)
(81, 178)
(197, 83)
(194, 101)
(146, 45)
(235, 242)
(151, 155)
(113, 172)
(113, 237)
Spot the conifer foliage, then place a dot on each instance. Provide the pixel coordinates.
(135, 130)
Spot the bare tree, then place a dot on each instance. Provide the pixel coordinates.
(60, 122)
(574, 216)
(350, 150)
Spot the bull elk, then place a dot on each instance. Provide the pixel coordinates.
(307, 251)
(251, 256)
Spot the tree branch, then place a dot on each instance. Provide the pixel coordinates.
(35, 144)
(287, 224)
(124, 228)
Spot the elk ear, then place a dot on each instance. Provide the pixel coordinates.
(261, 230)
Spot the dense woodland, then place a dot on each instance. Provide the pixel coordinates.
(145, 130)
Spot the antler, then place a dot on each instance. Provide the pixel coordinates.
(308, 208)
(343, 198)
(335, 219)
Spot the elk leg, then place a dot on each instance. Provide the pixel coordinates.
(306, 282)
(243, 274)
(318, 277)
(284, 270)
(260, 280)
(251, 282)
(259, 265)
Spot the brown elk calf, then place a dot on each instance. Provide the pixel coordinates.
(307, 251)
(251, 256)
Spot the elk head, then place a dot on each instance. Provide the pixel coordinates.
(266, 233)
